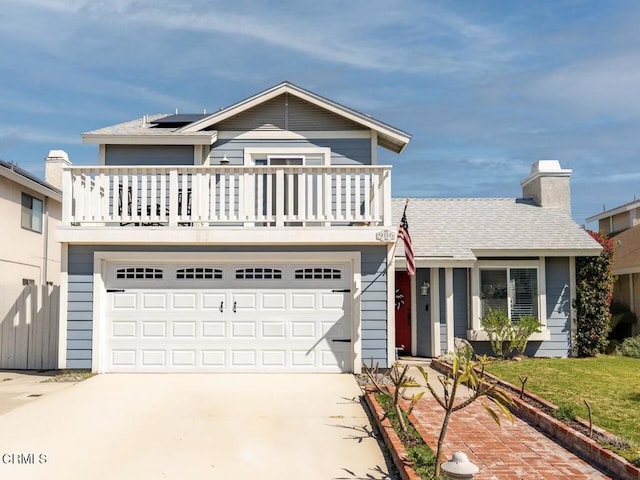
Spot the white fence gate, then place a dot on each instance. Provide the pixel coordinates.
(29, 327)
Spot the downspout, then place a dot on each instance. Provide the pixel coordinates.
(45, 236)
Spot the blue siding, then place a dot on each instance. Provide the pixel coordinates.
(128, 155)
(423, 315)
(460, 303)
(80, 306)
(558, 311)
(344, 151)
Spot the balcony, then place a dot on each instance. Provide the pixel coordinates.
(226, 196)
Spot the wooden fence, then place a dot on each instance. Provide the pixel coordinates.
(29, 327)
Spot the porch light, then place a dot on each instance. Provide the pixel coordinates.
(424, 289)
(224, 161)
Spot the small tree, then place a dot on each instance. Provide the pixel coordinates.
(594, 292)
(464, 372)
(506, 336)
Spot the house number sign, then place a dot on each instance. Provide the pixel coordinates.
(385, 236)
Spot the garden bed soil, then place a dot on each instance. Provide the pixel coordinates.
(391, 439)
(573, 435)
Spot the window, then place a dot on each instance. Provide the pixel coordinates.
(514, 290)
(259, 273)
(317, 273)
(199, 273)
(28, 281)
(31, 213)
(145, 273)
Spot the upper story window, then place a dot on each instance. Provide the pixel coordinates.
(31, 213)
(513, 290)
(277, 156)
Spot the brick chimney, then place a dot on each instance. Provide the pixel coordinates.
(548, 185)
(53, 165)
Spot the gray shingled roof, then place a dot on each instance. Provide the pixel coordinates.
(453, 228)
(139, 127)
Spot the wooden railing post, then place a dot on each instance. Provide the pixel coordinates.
(67, 197)
(173, 198)
(386, 197)
(279, 197)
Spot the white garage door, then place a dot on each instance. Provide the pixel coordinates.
(240, 318)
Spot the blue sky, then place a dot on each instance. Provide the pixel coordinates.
(485, 87)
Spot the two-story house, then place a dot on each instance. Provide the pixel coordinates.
(262, 238)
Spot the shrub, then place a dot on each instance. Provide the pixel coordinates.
(506, 336)
(594, 291)
(498, 326)
(630, 347)
(522, 331)
(565, 413)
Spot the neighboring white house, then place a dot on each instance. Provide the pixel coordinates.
(31, 210)
(261, 238)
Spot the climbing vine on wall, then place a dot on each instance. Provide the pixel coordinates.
(594, 292)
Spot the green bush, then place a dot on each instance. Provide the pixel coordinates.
(498, 326)
(594, 292)
(565, 413)
(506, 336)
(630, 347)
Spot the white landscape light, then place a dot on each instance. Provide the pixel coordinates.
(424, 289)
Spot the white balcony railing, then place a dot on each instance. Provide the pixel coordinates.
(227, 195)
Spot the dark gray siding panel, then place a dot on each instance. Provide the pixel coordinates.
(344, 151)
(443, 311)
(128, 155)
(461, 303)
(80, 307)
(423, 315)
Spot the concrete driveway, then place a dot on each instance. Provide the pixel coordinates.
(193, 426)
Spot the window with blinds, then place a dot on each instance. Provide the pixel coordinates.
(513, 290)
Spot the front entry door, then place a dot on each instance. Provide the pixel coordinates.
(403, 313)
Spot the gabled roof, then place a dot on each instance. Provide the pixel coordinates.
(388, 136)
(463, 229)
(27, 179)
(626, 258)
(614, 211)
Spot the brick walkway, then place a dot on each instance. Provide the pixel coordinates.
(509, 452)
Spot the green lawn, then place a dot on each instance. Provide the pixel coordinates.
(610, 384)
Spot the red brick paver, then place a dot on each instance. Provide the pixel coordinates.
(509, 452)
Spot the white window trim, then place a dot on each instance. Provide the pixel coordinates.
(251, 152)
(476, 332)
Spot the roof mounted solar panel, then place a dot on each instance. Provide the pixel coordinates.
(179, 119)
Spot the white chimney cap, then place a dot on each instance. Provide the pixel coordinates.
(58, 154)
(546, 168)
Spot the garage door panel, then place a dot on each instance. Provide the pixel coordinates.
(276, 325)
(214, 329)
(154, 301)
(185, 301)
(184, 329)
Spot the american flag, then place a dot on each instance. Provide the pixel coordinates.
(403, 233)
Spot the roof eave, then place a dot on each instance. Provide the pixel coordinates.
(538, 252)
(208, 138)
(50, 192)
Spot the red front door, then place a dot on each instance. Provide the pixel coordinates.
(403, 312)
